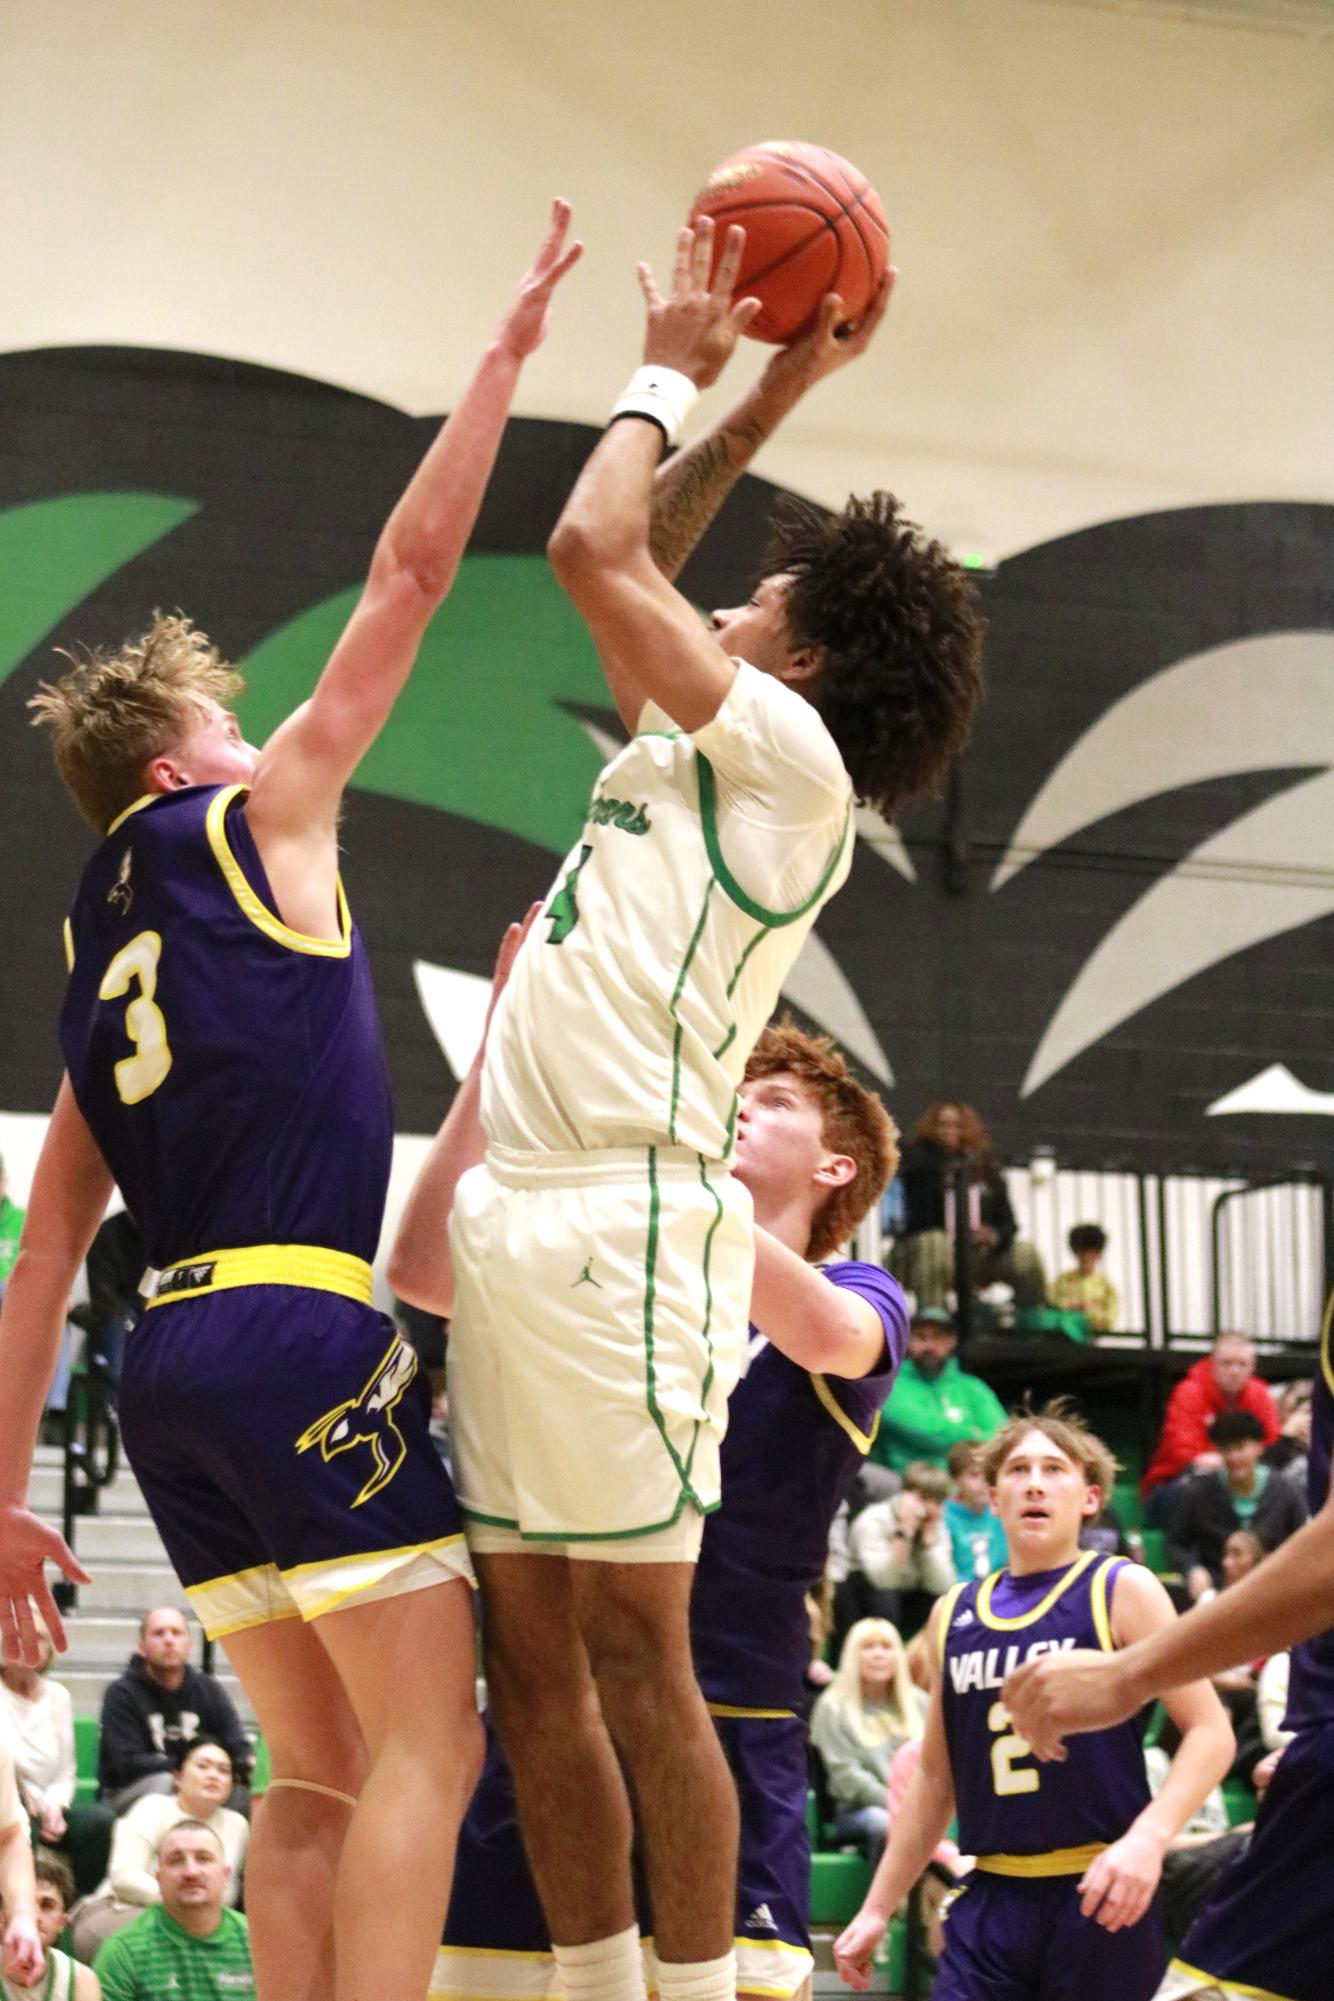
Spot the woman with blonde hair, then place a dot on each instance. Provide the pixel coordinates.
(869, 1709)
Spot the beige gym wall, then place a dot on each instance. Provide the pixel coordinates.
(1114, 225)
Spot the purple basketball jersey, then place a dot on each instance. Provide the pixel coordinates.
(1311, 1688)
(229, 1069)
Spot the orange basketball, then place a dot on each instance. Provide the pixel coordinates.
(814, 224)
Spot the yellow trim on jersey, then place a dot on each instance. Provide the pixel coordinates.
(145, 799)
(259, 914)
(1225, 1983)
(1052, 1862)
(863, 1440)
(1102, 1611)
(1326, 1339)
(947, 1605)
(67, 932)
(730, 1710)
(309, 1265)
(1040, 1610)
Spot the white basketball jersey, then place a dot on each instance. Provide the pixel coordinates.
(659, 956)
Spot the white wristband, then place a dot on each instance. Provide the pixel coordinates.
(663, 395)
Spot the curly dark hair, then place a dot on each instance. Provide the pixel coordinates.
(901, 627)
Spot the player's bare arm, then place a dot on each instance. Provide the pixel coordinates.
(919, 1826)
(819, 1326)
(1287, 1598)
(651, 642)
(293, 809)
(691, 487)
(1119, 1884)
(421, 1269)
(70, 1191)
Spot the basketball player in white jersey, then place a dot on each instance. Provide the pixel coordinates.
(602, 1253)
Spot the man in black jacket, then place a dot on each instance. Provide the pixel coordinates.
(156, 1708)
(1242, 1494)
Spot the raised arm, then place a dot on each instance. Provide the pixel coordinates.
(819, 1326)
(70, 1192)
(421, 1268)
(691, 487)
(310, 758)
(1118, 1886)
(650, 640)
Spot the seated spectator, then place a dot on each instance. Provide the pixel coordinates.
(1242, 1494)
(922, 1258)
(152, 1711)
(934, 1403)
(1290, 1451)
(190, 1943)
(1087, 1290)
(899, 1552)
(977, 1540)
(65, 1979)
(21, 1957)
(42, 1722)
(1106, 1533)
(1224, 1380)
(1271, 1702)
(202, 1787)
(869, 1709)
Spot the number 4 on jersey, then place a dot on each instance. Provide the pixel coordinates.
(563, 909)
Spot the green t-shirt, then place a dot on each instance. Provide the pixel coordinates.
(923, 1419)
(154, 1960)
(11, 1229)
(1245, 1505)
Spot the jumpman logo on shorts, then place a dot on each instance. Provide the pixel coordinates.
(586, 1277)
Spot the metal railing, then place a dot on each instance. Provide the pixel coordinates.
(92, 1451)
(1189, 1253)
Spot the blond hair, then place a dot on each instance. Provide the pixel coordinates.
(901, 1715)
(113, 712)
(1060, 1422)
(854, 1122)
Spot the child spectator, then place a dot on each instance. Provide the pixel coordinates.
(899, 1551)
(64, 1979)
(1087, 1290)
(977, 1540)
(869, 1709)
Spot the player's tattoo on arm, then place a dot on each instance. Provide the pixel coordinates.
(691, 488)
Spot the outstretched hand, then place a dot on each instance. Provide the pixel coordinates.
(831, 344)
(525, 324)
(695, 328)
(26, 1545)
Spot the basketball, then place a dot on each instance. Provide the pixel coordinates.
(813, 223)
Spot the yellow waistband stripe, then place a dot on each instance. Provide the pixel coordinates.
(308, 1265)
(1052, 1862)
(730, 1710)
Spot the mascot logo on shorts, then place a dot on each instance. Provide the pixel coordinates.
(368, 1419)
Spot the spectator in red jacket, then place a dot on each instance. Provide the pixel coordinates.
(1222, 1380)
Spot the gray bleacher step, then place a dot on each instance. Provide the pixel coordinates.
(46, 1492)
(132, 1538)
(129, 1587)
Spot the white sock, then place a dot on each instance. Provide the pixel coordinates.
(698, 1979)
(609, 1969)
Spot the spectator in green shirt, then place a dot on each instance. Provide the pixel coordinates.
(11, 1228)
(933, 1403)
(190, 1946)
